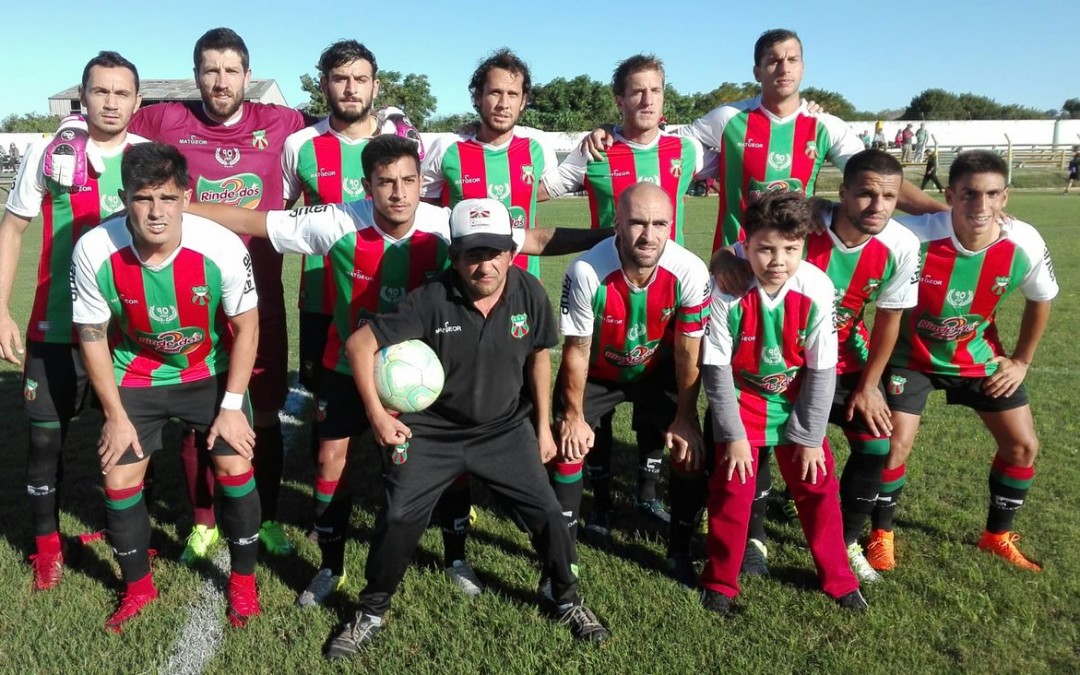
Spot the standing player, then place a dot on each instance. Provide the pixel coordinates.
(181, 292)
(378, 250)
(641, 152)
(54, 379)
(633, 313)
(769, 365)
(497, 162)
(870, 259)
(491, 326)
(973, 257)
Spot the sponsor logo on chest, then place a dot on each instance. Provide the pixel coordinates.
(447, 328)
(635, 357)
(172, 342)
(949, 328)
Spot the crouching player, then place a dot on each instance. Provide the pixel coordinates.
(181, 291)
(973, 257)
(770, 373)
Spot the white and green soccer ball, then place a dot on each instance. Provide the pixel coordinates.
(408, 376)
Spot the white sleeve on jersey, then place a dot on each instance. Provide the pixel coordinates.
(902, 291)
(710, 166)
(237, 281)
(551, 160)
(290, 156)
(575, 307)
(695, 286)
(699, 157)
(716, 348)
(568, 176)
(432, 181)
(709, 129)
(29, 191)
(88, 305)
(821, 346)
(1040, 284)
(844, 141)
(311, 230)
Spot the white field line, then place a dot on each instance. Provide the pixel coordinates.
(204, 631)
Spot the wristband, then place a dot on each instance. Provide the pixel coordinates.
(232, 401)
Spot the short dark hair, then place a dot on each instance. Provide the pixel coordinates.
(784, 211)
(386, 149)
(152, 164)
(977, 161)
(634, 64)
(505, 60)
(772, 37)
(344, 52)
(109, 60)
(875, 161)
(222, 39)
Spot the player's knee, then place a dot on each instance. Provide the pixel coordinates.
(331, 461)
(1022, 452)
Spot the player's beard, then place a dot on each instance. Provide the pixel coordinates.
(338, 112)
(500, 126)
(225, 109)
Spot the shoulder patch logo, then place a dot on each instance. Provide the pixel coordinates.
(519, 325)
(258, 139)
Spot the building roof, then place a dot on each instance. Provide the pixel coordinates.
(177, 90)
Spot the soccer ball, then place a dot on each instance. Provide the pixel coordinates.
(408, 376)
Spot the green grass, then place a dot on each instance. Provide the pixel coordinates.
(946, 608)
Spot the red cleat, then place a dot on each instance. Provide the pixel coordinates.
(243, 599)
(130, 605)
(48, 568)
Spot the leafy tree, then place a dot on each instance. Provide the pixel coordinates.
(29, 123)
(571, 105)
(451, 123)
(938, 104)
(1072, 107)
(411, 93)
(832, 102)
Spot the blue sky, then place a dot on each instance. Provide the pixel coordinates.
(1014, 52)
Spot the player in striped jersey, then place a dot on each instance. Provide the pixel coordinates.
(379, 249)
(641, 152)
(633, 312)
(973, 257)
(54, 379)
(769, 366)
(180, 292)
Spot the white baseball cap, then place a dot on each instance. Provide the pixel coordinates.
(481, 223)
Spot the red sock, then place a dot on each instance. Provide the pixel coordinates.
(48, 544)
(144, 586)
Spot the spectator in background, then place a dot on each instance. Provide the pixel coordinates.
(907, 144)
(865, 138)
(879, 139)
(898, 140)
(930, 176)
(1074, 170)
(921, 137)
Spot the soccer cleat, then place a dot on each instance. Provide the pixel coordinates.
(653, 508)
(879, 551)
(199, 543)
(791, 511)
(321, 587)
(599, 524)
(583, 624)
(1004, 546)
(130, 605)
(243, 599)
(853, 601)
(472, 516)
(464, 577)
(681, 568)
(273, 538)
(715, 601)
(354, 637)
(48, 568)
(755, 561)
(861, 566)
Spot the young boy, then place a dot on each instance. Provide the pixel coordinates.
(770, 372)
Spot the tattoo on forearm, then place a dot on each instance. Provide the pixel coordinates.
(93, 332)
(582, 342)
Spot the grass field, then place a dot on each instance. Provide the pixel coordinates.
(946, 608)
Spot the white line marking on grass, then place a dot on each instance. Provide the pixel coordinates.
(204, 631)
(295, 415)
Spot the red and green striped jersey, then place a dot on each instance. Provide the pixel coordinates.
(461, 167)
(760, 152)
(371, 271)
(669, 161)
(67, 213)
(951, 331)
(882, 270)
(173, 318)
(768, 342)
(324, 167)
(633, 328)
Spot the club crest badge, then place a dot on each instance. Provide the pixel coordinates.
(258, 139)
(200, 295)
(519, 325)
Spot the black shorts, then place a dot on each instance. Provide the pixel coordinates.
(845, 385)
(55, 383)
(906, 391)
(195, 404)
(339, 411)
(654, 398)
(314, 330)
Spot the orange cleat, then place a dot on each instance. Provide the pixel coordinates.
(879, 551)
(1004, 546)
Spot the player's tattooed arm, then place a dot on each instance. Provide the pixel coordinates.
(92, 332)
(575, 435)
